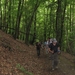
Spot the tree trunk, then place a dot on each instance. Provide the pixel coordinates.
(44, 26)
(5, 15)
(62, 21)
(0, 16)
(9, 17)
(19, 14)
(60, 14)
(58, 21)
(34, 35)
(30, 23)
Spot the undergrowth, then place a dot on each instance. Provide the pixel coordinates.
(21, 68)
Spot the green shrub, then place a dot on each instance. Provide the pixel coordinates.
(21, 68)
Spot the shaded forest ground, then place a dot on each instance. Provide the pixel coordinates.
(16, 58)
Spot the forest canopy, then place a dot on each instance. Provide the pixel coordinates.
(29, 20)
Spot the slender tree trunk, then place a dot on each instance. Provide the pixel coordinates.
(58, 21)
(67, 34)
(30, 23)
(62, 21)
(50, 22)
(0, 16)
(13, 20)
(70, 19)
(44, 26)
(5, 16)
(19, 14)
(9, 17)
(47, 22)
(34, 35)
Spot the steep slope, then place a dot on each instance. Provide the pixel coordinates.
(16, 58)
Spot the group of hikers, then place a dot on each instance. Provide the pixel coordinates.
(52, 47)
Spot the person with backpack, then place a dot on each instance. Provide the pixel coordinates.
(53, 49)
(47, 46)
(38, 48)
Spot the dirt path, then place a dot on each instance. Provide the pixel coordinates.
(66, 66)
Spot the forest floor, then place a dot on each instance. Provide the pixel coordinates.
(16, 58)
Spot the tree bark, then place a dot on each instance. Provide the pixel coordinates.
(0, 16)
(58, 21)
(62, 21)
(34, 35)
(30, 23)
(18, 19)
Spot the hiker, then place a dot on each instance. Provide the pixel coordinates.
(38, 48)
(53, 49)
(46, 45)
(51, 40)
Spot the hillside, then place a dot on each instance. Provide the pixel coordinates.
(16, 58)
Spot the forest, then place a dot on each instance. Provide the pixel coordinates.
(29, 20)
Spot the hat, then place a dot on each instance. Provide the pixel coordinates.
(54, 40)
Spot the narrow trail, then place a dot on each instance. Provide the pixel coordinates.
(26, 56)
(66, 67)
